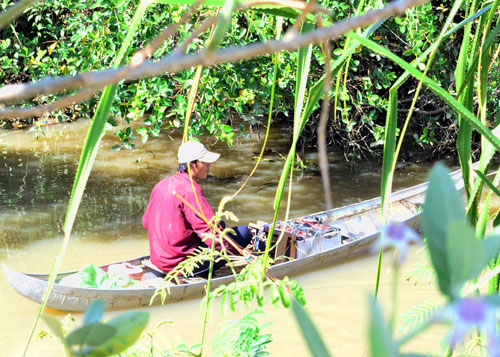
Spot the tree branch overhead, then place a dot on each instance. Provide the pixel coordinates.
(176, 61)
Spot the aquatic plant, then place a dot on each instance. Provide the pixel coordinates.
(97, 338)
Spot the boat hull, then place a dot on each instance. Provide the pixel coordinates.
(359, 223)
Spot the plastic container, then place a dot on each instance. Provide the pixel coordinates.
(318, 244)
(126, 270)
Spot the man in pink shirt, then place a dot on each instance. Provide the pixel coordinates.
(174, 229)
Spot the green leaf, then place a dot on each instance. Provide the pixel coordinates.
(141, 130)
(443, 205)
(94, 312)
(309, 332)
(381, 342)
(93, 335)
(465, 255)
(285, 298)
(55, 326)
(129, 327)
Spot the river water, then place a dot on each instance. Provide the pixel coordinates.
(36, 176)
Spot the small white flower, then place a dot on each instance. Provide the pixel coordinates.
(469, 313)
(397, 236)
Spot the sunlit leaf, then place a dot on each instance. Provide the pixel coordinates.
(52, 47)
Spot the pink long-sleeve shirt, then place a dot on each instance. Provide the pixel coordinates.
(174, 230)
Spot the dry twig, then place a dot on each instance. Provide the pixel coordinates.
(325, 108)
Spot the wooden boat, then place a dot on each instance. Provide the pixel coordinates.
(358, 226)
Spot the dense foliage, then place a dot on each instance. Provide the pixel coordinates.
(65, 37)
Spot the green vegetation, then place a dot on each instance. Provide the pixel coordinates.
(66, 37)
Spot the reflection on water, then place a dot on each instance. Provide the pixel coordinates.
(36, 177)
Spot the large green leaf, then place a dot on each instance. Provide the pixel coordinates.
(381, 342)
(94, 312)
(92, 335)
(314, 341)
(465, 255)
(443, 205)
(129, 327)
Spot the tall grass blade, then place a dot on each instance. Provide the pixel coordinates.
(279, 27)
(311, 335)
(491, 185)
(347, 43)
(391, 150)
(223, 25)
(303, 63)
(193, 92)
(87, 158)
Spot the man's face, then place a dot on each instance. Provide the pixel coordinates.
(200, 170)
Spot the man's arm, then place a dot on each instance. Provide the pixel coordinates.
(198, 224)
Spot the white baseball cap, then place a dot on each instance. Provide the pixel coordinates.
(194, 150)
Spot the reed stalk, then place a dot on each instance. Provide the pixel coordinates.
(391, 152)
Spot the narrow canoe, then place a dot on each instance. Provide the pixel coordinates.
(359, 225)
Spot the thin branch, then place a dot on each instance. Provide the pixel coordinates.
(14, 11)
(41, 109)
(425, 112)
(323, 121)
(148, 51)
(299, 5)
(300, 19)
(197, 32)
(177, 62)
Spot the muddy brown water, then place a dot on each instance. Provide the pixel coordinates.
(36, 176)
